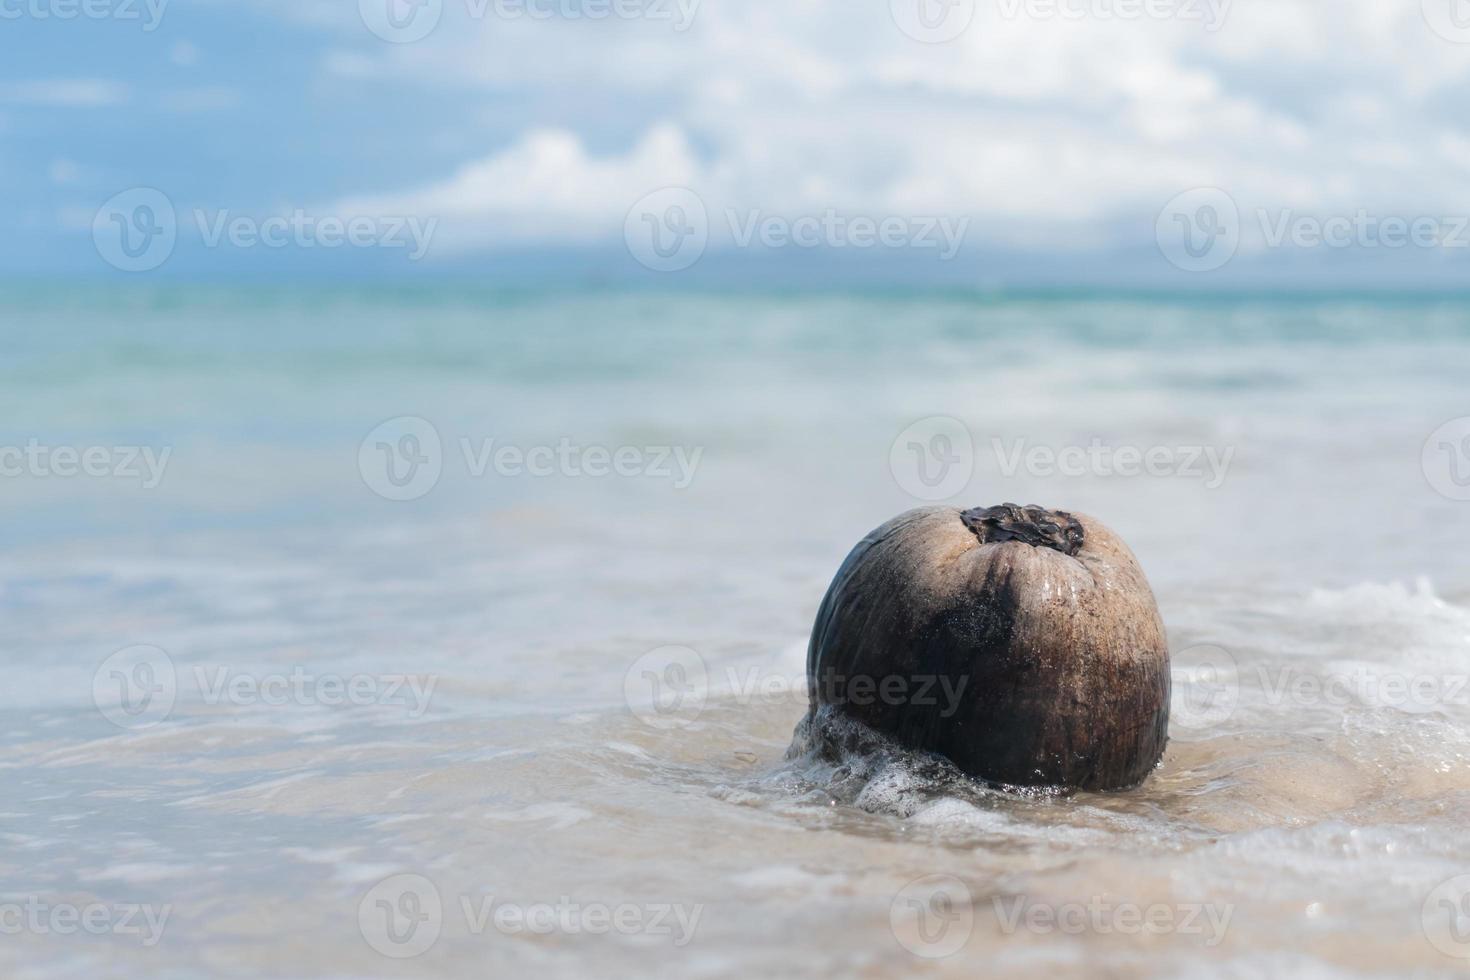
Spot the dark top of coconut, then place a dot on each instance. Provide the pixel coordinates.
(1036, 526)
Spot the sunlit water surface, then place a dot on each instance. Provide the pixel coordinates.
(1304, 816)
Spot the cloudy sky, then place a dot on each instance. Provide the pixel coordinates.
(1197, 142)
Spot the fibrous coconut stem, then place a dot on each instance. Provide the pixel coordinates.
(1036, 526)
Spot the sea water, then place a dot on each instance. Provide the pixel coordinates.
(452, 632)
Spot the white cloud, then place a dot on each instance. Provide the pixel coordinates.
(185, 54)
(204, 99)
(70, 93)
(63, 172)
(545, 188)
(1047, 130)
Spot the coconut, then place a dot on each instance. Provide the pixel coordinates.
(1022, 644)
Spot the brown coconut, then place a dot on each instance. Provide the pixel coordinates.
(1022, 644)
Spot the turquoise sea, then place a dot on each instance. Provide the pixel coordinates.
(314, 595)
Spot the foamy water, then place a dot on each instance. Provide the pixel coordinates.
(420, 737)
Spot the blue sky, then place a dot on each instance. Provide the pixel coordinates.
(1045, 140)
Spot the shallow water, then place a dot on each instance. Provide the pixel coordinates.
(503, 746)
